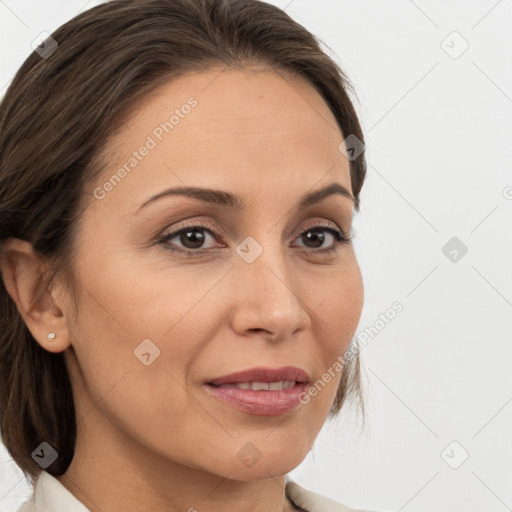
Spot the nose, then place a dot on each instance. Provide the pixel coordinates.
(268, 300)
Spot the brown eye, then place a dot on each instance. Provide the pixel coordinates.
(191, 238)
(315, 237)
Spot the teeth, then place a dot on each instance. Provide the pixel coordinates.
(263, 386)
(257, 386)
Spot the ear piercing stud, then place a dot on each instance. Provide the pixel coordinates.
(51, 336)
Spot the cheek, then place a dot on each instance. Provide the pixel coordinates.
(335, 314)
(338, 309)
(145, 401)
(133, 314)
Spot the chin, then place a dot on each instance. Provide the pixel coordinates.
(253, 460)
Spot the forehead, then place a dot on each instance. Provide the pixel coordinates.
(230, 129)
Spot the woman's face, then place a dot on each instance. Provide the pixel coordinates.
(257, 289)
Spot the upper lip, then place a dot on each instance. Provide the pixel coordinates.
(262, 374)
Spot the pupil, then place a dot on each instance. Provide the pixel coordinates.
(191, 236)
(311, 235)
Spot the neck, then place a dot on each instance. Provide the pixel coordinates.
(111, 473)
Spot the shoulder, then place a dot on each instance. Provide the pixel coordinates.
(311, 501)
(28, 506)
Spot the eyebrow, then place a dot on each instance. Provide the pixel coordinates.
(229, 200)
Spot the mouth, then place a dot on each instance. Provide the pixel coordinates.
(262, 375)
(260, 391)
(260, 386)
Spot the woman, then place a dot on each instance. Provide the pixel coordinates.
(179, 291)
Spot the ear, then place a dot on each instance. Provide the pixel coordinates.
(23, 273)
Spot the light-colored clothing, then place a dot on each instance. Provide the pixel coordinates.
(50, 495)
(311, 501)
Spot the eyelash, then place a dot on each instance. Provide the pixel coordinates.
(340, 238)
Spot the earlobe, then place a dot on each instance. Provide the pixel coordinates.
(23, 274)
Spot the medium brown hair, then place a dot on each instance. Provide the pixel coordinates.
(55, 119)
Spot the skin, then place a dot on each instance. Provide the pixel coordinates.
(149, 437)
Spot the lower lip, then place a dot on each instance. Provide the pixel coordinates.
(259, 403)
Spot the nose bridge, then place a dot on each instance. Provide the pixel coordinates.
(264, 261)
(268, 296)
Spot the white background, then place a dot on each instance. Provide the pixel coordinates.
(439, 149)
